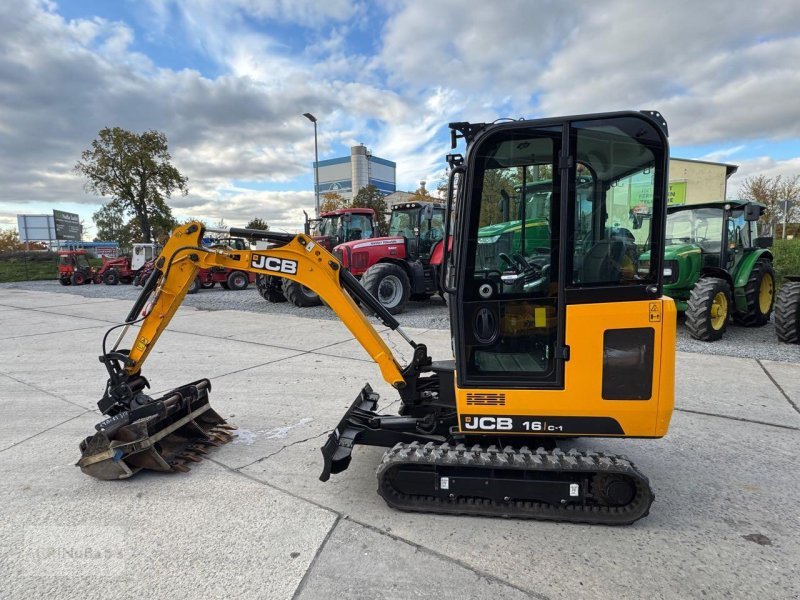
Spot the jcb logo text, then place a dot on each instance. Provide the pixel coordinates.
(270, 263)
(492, 423)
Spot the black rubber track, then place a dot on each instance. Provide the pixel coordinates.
(571, 462)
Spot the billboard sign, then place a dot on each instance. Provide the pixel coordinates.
(68, 226)
(36, 228)
(677, 192)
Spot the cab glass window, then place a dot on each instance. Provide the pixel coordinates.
(614, 192)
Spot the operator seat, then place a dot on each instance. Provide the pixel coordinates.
(603, 262)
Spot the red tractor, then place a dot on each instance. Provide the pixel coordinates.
(330, 229)
(125, 269)
(74, 268)
(395, 269)
(405, 265)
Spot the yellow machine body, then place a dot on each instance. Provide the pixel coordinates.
(582, 393)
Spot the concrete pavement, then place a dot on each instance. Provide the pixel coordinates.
(255, 522)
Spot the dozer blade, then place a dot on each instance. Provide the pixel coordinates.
(162, 434)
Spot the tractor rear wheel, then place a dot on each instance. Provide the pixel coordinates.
(78, 278)
(300, 295)
(237, 280)
(111, 277)
(760, 294)
(194, 286)
(787, 312)
(389, 283)
(270, 288)
(709, 309)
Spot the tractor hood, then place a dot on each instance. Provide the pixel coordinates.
(488, 232)
(675, 252)
(372, 243)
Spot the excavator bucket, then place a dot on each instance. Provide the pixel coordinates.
(164, 434)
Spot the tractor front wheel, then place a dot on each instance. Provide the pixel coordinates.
(787, 313)
(300, 295)
(78, 278)
(709, 309)
(389, 283)
(194, 287)
(760, 295)
(111, 277)
(237, 280)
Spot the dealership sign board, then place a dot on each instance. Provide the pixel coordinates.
(68, 226)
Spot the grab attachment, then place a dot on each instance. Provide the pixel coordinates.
(163, 434)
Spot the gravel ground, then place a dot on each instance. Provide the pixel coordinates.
(758, 343)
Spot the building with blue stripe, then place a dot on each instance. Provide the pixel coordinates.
(347, 175)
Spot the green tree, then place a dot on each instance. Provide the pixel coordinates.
(137, 173)
(773, 193)
(371, 197)
(257, 223)
(9, 241)
(332, 201)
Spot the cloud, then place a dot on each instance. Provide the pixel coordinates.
(390, 76)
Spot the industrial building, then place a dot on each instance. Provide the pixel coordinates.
(347, 175)
(695, 181)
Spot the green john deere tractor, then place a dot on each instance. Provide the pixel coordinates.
(716, 267)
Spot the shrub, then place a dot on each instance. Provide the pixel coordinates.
(787, 258)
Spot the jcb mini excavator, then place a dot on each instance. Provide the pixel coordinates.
(557, 334)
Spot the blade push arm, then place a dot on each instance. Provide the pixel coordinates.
(294, 257)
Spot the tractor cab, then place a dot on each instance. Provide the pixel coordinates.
(722, 232)
(547, 258)
(341, 225)
(142, 253)
(421, 223)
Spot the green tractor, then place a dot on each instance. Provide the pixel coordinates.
(716, 267)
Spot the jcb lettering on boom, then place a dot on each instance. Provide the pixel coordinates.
(271, 263)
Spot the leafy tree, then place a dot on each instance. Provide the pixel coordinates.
(257, 224)
(111, 225)
(137, 173)
(371, 197)
(9, 241)
(332, 201)
(773, 192)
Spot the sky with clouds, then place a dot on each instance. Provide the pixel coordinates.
(229, 80)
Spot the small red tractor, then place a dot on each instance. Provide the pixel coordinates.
(124, 269)
(228, 279)
(74, 268)
(330, 229)
(395, 269)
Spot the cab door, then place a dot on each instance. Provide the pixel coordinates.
(509, 318)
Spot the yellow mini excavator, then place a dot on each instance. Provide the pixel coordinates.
(559, 331)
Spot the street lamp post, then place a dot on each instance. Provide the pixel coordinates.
(313, 119)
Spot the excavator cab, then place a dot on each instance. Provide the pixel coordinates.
(559, 331)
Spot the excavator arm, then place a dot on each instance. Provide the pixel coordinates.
(163, 433)
(294, 257)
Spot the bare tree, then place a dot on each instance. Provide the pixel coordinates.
(774, 192)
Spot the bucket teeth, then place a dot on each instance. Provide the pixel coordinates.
(180, 467)
(190, 456)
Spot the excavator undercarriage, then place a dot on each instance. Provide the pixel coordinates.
(558, 333)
